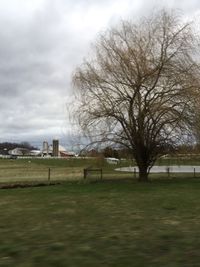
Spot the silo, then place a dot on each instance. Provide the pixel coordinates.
(55, 148)
(45, 149)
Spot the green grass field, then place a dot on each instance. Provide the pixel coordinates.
(109, 223)
(28, 170)
(36, 170)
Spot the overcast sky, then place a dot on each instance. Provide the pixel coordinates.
(41, 42)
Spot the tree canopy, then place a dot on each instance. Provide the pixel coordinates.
(140, 86)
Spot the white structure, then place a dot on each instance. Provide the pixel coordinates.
(36, 153)
(18, 151)
(45, 148)
(48, 150)
(112, 160)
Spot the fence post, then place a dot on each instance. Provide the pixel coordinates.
(194, 173)
(49, 175)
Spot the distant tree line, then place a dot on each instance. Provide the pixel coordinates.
(120, 153)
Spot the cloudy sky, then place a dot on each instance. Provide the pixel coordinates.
(41, 42)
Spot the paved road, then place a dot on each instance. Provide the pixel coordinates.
(164, 169)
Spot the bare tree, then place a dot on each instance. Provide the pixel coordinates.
(139, 87)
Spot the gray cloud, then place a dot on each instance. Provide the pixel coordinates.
(41, 42)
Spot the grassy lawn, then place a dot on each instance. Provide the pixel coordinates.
(119, 224)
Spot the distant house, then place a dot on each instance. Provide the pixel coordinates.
(18, 151)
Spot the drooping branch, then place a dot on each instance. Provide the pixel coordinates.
(139, 90)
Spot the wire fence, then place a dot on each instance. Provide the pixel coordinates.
(37, 171)
(21, 174)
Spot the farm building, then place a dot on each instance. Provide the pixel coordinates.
(55, 150)
(18, 151)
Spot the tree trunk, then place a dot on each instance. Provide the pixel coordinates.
(143, 174)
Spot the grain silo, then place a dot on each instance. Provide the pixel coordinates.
(55, 148)
(45, 149)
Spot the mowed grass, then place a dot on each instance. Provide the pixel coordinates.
(110, 223)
